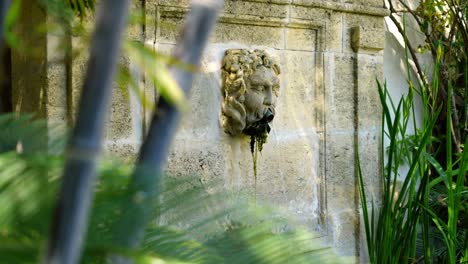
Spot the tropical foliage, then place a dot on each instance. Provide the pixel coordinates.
(198, 223)
(423, 214)
(444, 27)
(410, 227)
(137, 214)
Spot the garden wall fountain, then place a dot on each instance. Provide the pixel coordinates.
(320, 60)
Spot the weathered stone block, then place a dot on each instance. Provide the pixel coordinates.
(340, 86)
(369, 108)
(178, 3)
(119, 125)
(367, 3)
(255, 8)
(334, 33)
(57, 77)
(186, 3)
(272, 37)
(279, 180)
(135, 30)
(301, 39)
(204, 110)
(151, 18)
(343, 226)
(78, 71)
(57, 85)
(371, 40)
(299, 103)
(125, 113)
(316, 15)
(372, 33)
(229, 29)
(340, 161)
(369, 146)
(312, 2)
(201, 157)
(169, 29)
(126, 151)
(202, 115)
(57, 115)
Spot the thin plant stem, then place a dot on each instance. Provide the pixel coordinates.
(145, 182)
(69, 224)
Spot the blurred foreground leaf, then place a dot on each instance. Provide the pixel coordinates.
(195, 222)
(153, 65)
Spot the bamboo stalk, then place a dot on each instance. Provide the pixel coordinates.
(71, 213)
(144, 185)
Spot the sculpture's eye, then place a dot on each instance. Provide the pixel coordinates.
(276, 89)
(259, 88)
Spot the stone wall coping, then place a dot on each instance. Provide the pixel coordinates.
(178, 12)
(321, 4)
(343, 7)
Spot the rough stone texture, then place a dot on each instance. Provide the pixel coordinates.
(368, 40)
(371, 33)
(256, 9)
(339, 83)
(135, 30)
(334, 33)
(249, 35)
(318, 16)
(57, 98)
(327, 106)
(301, 39)
(368, 68)
(372, 3)
(78, 71)
(120, 115)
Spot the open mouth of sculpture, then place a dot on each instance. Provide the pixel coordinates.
(262, 126)
(258, 132)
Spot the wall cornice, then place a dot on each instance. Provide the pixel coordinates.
(354, 8)
(179, 13)
(343, 7)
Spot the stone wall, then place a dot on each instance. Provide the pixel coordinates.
(330, 53)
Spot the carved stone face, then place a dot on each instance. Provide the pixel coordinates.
(260, 97)
(250, 88)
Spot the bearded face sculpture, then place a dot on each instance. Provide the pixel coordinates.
(250, 86)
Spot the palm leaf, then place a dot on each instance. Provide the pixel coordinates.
(233, 234)
(194, 222)
(25, 134)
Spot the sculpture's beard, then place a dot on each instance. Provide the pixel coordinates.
(262, 126)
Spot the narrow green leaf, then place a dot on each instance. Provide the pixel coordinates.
(439, 169)
(156, 71)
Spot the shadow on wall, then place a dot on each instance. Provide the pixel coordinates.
(396, 71)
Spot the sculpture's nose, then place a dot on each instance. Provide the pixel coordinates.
(268, 96)
(269, 115)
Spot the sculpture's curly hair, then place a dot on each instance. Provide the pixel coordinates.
(237, 66)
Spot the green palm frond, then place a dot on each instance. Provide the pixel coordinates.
(27, 193)
(194, 222)
(197, 222)
(25, 134)
(28, 187)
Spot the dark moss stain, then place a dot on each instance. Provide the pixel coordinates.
(256, 146)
